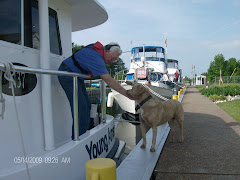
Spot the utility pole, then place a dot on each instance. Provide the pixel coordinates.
(194, 77)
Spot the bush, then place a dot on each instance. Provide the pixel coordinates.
(222, 98)
(222, 91)
(215, 98)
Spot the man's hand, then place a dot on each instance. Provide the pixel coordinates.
(114, 84)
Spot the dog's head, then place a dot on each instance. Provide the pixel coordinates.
(137, 91)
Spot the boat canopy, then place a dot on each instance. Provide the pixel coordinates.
(148, 49)
(86, 14)
(172, 61)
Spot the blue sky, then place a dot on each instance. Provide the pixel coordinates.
(196, 30)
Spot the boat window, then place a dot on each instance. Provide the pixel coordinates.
(55, 42)
(33, 42)
(10, 18)
(171, 65)
(176, 65)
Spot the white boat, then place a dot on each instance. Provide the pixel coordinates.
(35, 137)
(172, 68)
(148, 63)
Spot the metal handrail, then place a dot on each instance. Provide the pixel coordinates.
(103, 101)
(58, 73)
(44, 71)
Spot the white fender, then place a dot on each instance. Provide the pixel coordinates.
(93, 112)
(110, 99)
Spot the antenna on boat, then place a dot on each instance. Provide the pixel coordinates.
(166, 62)
(143, 59)
(166, 49)
(144, 50)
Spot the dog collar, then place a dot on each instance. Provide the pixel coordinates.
(143, 102)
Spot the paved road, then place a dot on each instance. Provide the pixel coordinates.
(211, 148)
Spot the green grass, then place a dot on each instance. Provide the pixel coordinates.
(200, 87)
(232, 108)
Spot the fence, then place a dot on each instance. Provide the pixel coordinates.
(95, 95)
(228, 79)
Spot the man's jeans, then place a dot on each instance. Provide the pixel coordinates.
(84, 103)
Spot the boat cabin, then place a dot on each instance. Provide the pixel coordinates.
(37, 35)
(147, 62)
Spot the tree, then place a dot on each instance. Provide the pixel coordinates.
(228, 67)
(231, 65)
(116, 67)
(76, 47)
(186, 79)
(237, 72)
(204, 74)
(215, 66)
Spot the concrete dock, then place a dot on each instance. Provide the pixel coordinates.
(211, 147)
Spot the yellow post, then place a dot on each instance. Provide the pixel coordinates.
(179, 93)
(101, 169)
(175, 97)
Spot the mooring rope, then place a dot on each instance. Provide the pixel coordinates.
(8, 75)
(2, 100)
(156, 94)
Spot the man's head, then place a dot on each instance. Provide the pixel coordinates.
(111, 52)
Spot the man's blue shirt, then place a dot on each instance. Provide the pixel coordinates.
(90, 60)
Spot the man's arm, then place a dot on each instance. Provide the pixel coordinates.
(114, 84)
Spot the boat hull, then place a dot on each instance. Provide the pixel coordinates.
(67, 161)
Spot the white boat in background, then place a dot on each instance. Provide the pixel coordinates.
(172, 68)
(35, 138)
(148, 63)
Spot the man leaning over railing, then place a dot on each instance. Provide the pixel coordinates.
(89, 60)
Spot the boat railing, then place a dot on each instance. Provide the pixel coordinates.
(75, 90)
(102, 97)
(150, 59)
(119, 76)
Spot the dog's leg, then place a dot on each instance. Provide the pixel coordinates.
(154, 130)
(143, 131)
(180, 119)
(181, 132)
(171, 124)
(180, 123)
